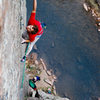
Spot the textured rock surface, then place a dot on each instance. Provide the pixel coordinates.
(14, 18)
(50, 97)
(45, 96)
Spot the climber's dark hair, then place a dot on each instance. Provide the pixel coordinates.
(35, 27)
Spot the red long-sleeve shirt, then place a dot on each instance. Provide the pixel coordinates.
(33, 21)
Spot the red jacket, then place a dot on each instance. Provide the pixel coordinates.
(32, 21)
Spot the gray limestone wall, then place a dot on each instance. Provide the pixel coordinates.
(12, 22)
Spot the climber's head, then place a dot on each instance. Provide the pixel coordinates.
(32, 29)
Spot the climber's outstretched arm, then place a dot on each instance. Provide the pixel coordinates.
(34, 5)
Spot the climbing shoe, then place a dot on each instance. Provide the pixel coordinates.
(25, 41)
(23, 59)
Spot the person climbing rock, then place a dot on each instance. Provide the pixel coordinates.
(33, 32)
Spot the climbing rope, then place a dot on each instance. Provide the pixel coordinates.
(24, 66)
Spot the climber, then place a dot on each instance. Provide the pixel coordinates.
(34, 31)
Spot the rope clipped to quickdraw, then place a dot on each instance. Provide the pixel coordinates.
(24, 66)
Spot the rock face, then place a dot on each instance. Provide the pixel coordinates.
(93, 7)
(50, 97)
(45, 96)
(13, 16)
